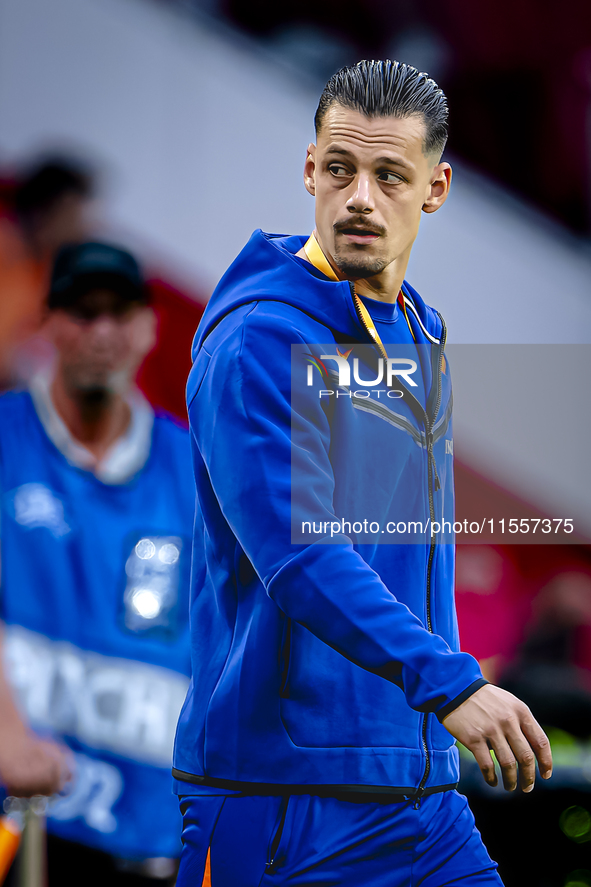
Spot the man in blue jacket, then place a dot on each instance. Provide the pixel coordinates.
(97, 502)
(316, 744)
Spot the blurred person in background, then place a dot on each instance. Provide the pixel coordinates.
(97, 511)
(525, 612)
(493, 598)
(45, 208)
(550, 670)
(530, 634)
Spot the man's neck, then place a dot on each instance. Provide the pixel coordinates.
(93, 418)
(373, 288)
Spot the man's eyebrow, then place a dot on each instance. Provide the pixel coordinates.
(334, 149)
(393, 161)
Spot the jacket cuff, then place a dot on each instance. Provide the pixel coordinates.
(455, 703)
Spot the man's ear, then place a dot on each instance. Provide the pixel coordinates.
(438, 187)
(310, 170)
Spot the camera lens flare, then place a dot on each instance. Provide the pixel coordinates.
(146, 603)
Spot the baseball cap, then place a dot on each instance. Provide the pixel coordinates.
(81, 267)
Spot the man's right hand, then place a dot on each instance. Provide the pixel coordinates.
(32, 766)
(494, 719)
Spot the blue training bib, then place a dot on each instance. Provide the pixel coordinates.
(95, 581)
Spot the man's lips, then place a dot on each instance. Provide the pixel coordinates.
(359, 235)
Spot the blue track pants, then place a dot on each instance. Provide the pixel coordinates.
(256, 841)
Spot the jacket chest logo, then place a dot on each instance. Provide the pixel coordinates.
(35, 505)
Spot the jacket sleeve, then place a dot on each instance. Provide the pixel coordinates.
(266, 450)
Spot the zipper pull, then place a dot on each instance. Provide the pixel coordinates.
(270, 864)
(418, 797)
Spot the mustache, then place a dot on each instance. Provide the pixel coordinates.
(358, 225)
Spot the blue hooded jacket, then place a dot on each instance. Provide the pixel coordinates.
(322, 663)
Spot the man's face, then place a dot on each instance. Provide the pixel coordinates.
(101, 340)
(371, 181)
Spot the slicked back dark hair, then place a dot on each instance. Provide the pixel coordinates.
(388, 88)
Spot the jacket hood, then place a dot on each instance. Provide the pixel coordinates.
(267, 269)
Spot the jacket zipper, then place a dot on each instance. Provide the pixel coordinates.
(433, 484)
(360, 317)
(269, 865)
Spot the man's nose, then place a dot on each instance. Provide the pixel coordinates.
(102, 327)
(361, 201)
